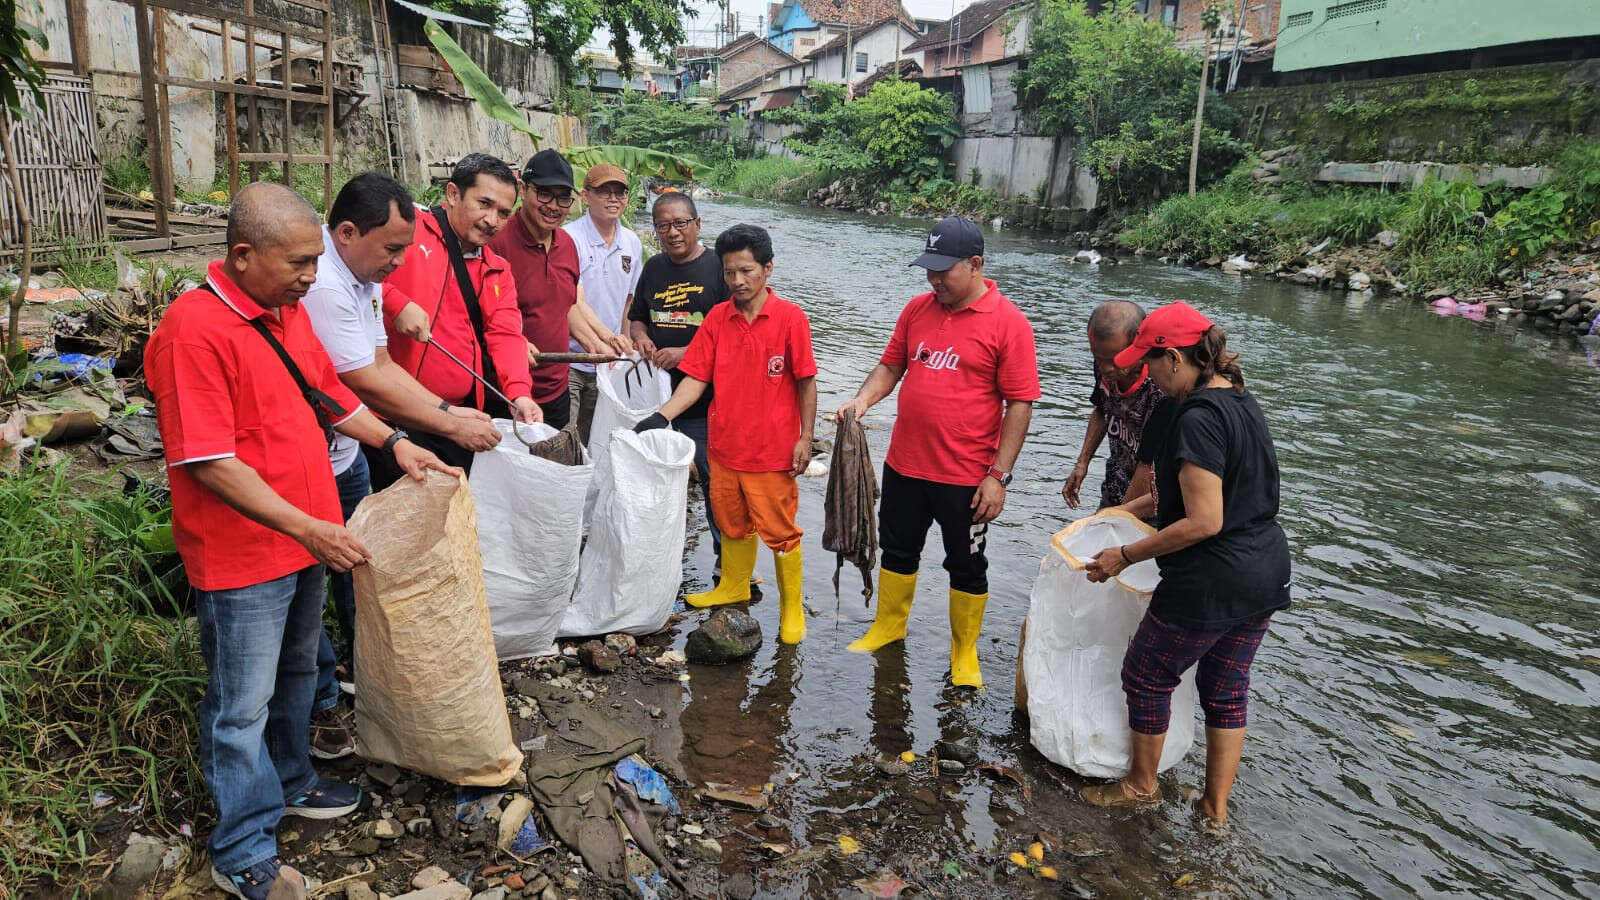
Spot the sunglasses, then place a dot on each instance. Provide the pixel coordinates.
(613, 193)
(675, 225)
(562, 200)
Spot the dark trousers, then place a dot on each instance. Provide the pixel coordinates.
(385, 472)
(909, 506)
(557, 412)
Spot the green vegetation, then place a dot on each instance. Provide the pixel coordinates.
(896, 134)
(562, 28)
(1452, 235)
(1118, 81)
(100, 678)
(679, 128)
(778, 178)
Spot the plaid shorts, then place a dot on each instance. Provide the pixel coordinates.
(1158, 656)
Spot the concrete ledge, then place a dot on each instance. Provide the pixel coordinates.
(1391, 172)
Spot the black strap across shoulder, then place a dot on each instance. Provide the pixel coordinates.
(469, 292)
(325, 408)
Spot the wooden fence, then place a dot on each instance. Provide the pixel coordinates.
(58, 163)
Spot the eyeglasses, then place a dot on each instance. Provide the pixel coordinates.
(611, 192)
(676, 225)
(562, 200)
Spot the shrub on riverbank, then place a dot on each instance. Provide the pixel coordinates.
(100, 680)
(1450, 235)
(779, 178)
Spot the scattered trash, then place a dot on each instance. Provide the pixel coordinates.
(1007, 772)
(648, 784)
(1400, 731)
(725, 794)
(884, 884)
(1184, 880)
(848, 845)
(473, 804)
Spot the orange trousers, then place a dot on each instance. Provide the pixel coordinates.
(763, 503)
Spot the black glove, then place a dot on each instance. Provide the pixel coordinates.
(648, 423)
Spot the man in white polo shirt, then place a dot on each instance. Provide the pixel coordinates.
(369, 227)
(609, 262)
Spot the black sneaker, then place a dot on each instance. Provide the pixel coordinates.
(329, 799)
(255, 882)
(330, 736)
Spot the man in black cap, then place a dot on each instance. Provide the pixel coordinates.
(970, 378)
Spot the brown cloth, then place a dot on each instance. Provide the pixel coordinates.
(562, 448)
(851, 529)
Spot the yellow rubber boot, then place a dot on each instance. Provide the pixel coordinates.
(894, 608)
(738, 564)
(791, 597)
(966, 622)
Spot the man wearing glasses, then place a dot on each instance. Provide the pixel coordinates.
(676, 289)
(544, 264)
(609, 260)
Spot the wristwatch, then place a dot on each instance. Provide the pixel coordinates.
(1003, 477)
(444, 405)
(394, 438)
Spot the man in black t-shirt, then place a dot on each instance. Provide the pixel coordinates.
(676, 289)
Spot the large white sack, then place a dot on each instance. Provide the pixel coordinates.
(624, 399)
(633, 564)
(1078, 632)
(530, 527)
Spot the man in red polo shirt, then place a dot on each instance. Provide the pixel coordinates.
(755, 352)
(477, 204)
(970, 378)
(246, 400)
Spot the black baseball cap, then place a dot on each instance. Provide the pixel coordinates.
(547, 168)
(951, 241)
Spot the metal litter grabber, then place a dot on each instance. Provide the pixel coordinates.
(488, 387)
(633, 376)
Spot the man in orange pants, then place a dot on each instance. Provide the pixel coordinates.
(755, 352)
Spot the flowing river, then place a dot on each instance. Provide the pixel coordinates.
(1423, 720)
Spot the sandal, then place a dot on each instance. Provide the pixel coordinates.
(1118, 794)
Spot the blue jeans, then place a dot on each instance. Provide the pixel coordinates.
(695, 430)
(353, 486)
(260, 647)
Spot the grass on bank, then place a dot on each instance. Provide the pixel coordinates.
(100, 680)
(1452, 235)
(781, 178)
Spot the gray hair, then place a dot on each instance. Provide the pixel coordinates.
(261, 210)
(1115, 318)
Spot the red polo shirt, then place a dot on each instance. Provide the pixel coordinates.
(753, 366)
(961, 369)
(221, 392)
(425, 277)
(547, 289)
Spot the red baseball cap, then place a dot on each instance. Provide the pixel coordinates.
(1174, 325)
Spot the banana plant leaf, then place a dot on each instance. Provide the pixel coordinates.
(634, 160)
(477, 83)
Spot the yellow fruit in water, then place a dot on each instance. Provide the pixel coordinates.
(907, 756)
(1049, 872)
(1036, 851)
(1019, 859)
(848, 845)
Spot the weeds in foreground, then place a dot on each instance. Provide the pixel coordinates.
(100, 679)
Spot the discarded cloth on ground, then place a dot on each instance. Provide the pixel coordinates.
(530, 528)
(851, 528)
(633, 564)
(584, 783)
(428, 693)
(1077, 633)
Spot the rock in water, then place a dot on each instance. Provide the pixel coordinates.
(599, 657)
(960, 751)
(728, 635)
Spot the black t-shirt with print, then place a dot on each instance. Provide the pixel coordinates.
(672, 300)
(1241, 572)
(1125, 415)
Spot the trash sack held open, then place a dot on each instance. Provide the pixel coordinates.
(530, 527)
(1078, 632)
(626, 396)
(428, 692)
(633, 564)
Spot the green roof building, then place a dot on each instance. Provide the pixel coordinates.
(1319, 33)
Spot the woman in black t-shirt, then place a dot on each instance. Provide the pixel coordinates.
(1224, 560)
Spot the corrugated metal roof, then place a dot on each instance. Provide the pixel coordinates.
(440, 16)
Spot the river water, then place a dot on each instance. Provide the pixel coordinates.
(1423, 720)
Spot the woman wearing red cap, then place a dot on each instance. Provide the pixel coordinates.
(1224, 560)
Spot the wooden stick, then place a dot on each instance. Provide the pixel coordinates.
(543, 358)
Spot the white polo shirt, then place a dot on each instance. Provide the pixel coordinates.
(607, 274)
(347, 316)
